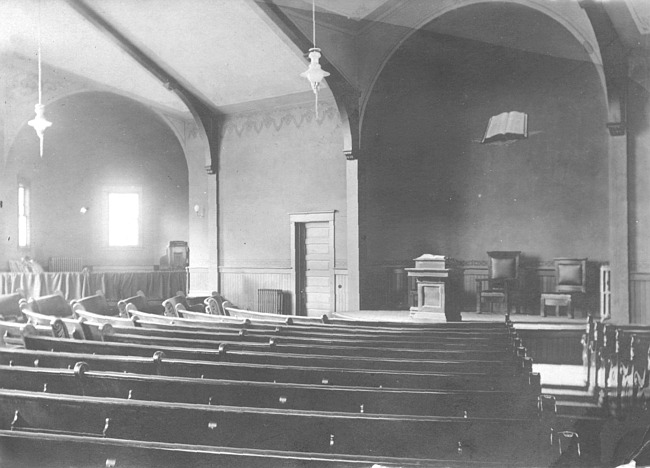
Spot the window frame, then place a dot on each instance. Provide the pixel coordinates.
(106, 192)
(26, 208)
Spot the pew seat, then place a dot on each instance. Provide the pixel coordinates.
(158, 363)
(336, 341)
(519, 440)
(265, 356)
(83, 381)
(21, 449)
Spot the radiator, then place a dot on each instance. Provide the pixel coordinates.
(270, 301)
(66, 264)
(605, 292)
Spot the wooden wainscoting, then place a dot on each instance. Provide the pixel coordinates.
(553, 346)
(200, 282)
(341, 280)
(240, 285)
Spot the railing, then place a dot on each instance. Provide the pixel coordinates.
(617, 360)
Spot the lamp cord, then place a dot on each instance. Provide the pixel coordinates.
(40, 91)
(313, 22)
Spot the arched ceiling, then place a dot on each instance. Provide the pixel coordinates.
(232, 55)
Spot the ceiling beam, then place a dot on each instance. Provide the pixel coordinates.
(615, 63)
(206, 115)
(345, 93)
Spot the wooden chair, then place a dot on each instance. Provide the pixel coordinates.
(571, 280)
(502, 283)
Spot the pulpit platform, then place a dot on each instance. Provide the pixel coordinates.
(416, 317)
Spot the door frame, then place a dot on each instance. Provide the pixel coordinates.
(310, 217)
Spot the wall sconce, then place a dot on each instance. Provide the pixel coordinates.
(198, 210)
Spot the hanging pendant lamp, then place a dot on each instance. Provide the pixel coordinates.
(315, 74)
(40, 123)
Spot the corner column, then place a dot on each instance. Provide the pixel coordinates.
(352, 197)
(618, 225)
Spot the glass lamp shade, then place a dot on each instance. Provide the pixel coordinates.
(314, 73)
(39, 123)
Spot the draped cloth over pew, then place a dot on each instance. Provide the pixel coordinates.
(157, 285)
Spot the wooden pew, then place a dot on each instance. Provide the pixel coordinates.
(82, 381)
(519, 440)
(267, 357)
(159, 364)
(121, 322)
(12, 333)
(63, 327)
(53, 304)
(96, 304)
(486, 327)
(21, 449)
(247, 336)
(306, 333)
(390, 349)
(10, 305)
(217, 321)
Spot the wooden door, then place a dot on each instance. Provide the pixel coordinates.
(313, 268)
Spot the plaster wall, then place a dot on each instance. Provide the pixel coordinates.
(432, 187)
(273, 164)
(97, 140)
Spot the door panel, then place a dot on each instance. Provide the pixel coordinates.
(313, 254)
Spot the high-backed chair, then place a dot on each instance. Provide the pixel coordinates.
(503, 281)
(571, 281)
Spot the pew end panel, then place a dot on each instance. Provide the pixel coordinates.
(53, 305)
(97, 304)
(10, 305)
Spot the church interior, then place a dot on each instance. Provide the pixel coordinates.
(324, 233)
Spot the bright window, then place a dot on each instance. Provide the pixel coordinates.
(23, 214)
(123, 219)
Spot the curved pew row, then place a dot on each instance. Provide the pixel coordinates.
(159, 364)
(351, 326)
(346, 321)
(305, 333)
(279, 345)
(83, 382)
(432, 342)
(22, 449)
(265, 356)
(517, 439)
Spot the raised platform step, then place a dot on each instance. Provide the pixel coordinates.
(574, 394)
(581, 409)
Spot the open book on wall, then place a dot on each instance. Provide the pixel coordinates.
(506, 126)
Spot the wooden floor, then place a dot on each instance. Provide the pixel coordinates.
(406, 316)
